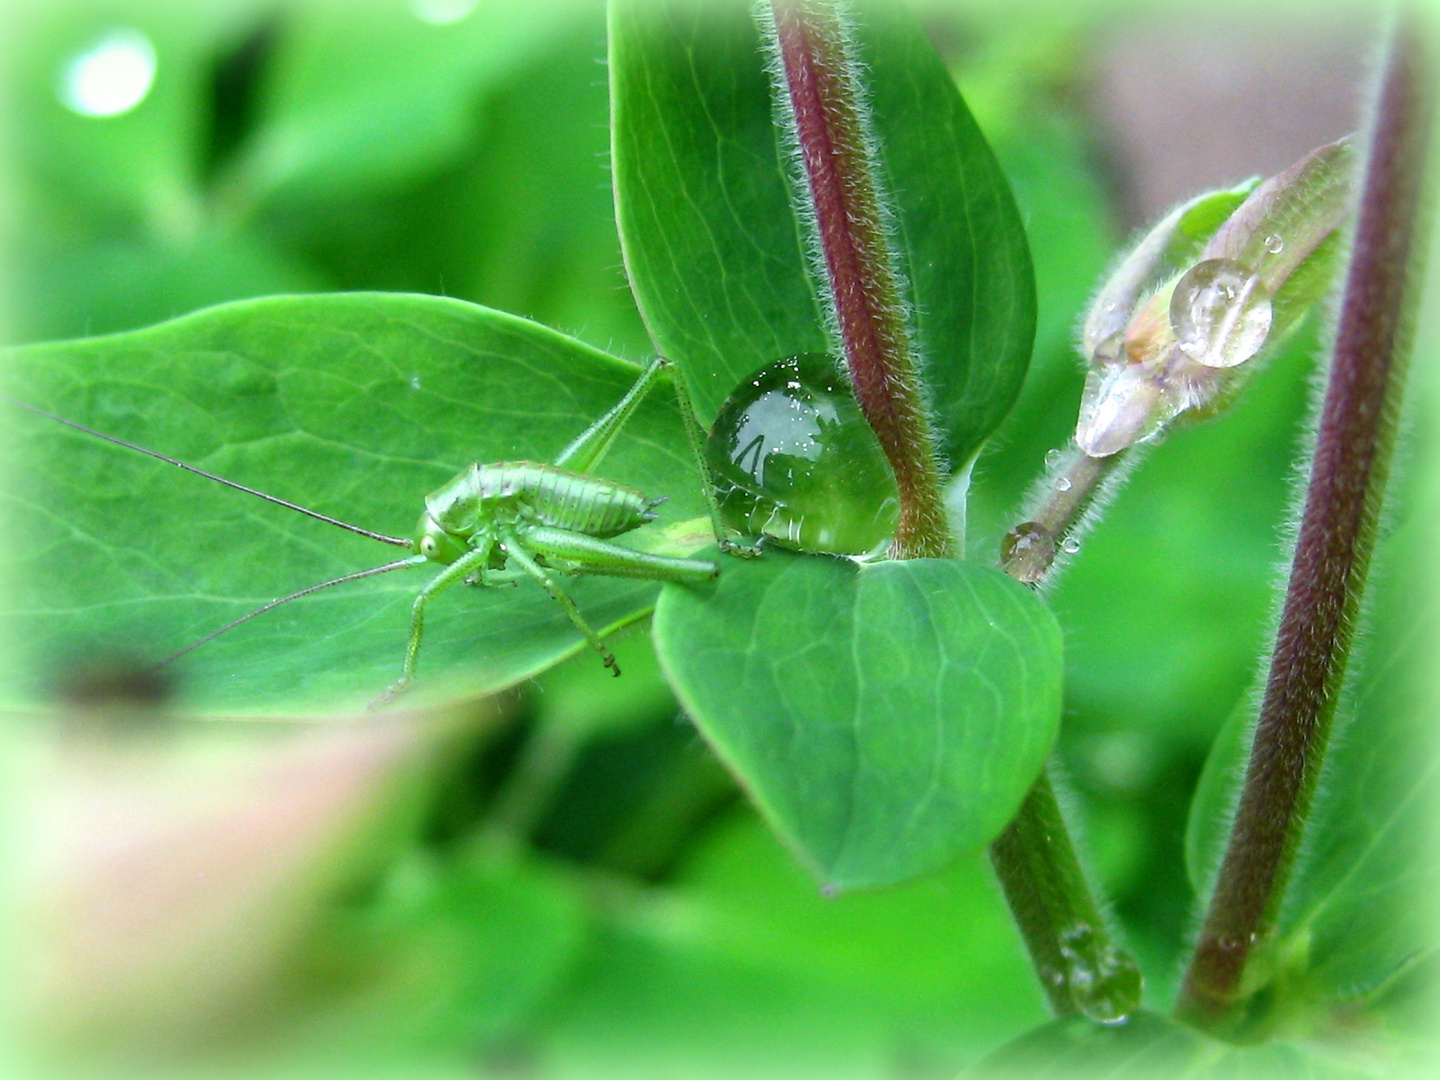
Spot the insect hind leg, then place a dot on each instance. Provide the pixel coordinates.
(517, 551)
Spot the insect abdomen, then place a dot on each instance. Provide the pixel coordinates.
(567, 500)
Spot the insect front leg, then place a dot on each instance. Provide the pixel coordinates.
(515, 548)
(453, 573)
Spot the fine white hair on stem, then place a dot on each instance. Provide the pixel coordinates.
(798, 183)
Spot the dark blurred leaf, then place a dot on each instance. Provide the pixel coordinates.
(717, 256)
(355, 405)
(885, 718)
(362, 99)
(139, 164)
(100, 286)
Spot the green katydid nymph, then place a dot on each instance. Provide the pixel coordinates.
(500, 523)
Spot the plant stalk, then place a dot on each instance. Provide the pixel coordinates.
(1036, 862)
(821, 83)
(1080, 967)
(1353, 443)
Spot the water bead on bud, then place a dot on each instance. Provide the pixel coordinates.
(1122, 404)
(1220, 313)
(1202, 294)
(793, 459)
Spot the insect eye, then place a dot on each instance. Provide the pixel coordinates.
(427, 546)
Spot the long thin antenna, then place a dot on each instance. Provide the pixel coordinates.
(400, 564)
(397, 541)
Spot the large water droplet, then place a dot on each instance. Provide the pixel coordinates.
(110, 77)
(792, 458)
(1220, 313)
(1275, 244)
(1054, 457)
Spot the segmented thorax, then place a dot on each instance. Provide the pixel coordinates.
(526, 492)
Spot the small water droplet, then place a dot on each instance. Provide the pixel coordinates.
(1274, 244)
(1054, 457)
(1070, 545)
(793, 458)
(1027, 551)
(1220, 313)
(110, 77)
(1062, 483)
(414, 382)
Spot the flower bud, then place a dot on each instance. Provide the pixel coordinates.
(1179, 321)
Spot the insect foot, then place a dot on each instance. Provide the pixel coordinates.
(741, 549)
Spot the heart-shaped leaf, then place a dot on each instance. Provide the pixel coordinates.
(885, 718)
(353, 405)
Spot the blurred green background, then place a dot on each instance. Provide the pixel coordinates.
(565, 882)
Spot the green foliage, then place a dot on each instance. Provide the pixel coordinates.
(590, 892)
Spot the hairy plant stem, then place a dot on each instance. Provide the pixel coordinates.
(1035, 859)
(1080, 966)
(1353, 443)
(822, 86)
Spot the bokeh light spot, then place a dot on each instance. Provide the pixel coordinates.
(111, 76)
(442, 12)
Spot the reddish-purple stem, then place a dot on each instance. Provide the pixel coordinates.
(1347, 477)
(865, 292)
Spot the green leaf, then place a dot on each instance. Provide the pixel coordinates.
(885, 718)
(1148, 1046)
(717, 256)
(353, 405)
